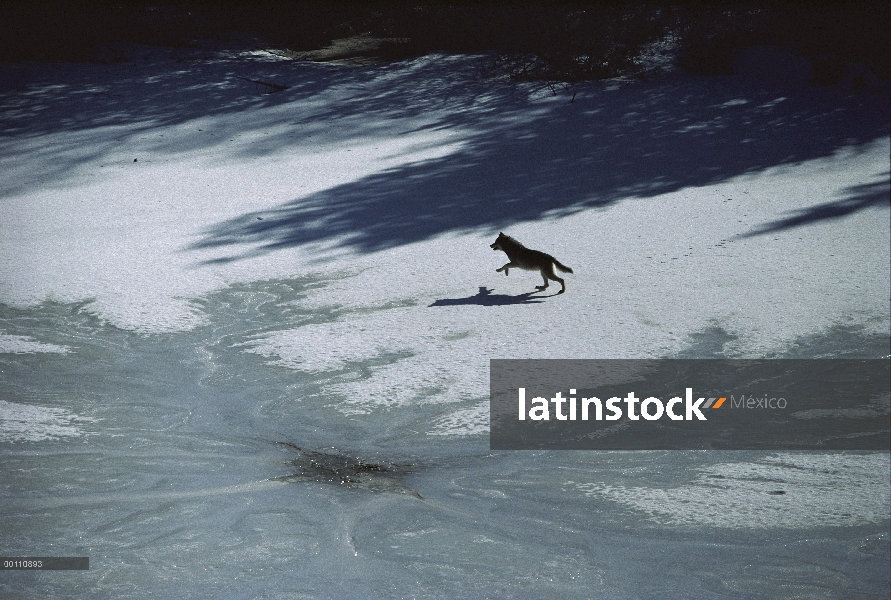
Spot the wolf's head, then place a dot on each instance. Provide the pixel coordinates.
(498, 243)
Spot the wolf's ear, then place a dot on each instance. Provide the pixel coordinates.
(500, 233)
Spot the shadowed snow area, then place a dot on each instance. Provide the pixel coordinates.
(228, 317)
(436, 149)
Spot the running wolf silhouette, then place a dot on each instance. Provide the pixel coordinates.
(522, 257)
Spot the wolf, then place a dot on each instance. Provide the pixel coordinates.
(522, 257)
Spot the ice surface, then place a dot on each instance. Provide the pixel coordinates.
(195, 274)
(30, 423)
(829, 490)
(22, 344)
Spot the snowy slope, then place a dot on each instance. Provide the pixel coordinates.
(193, 272)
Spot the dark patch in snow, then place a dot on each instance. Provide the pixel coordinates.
(840, 341)
(708, 343)
(268, 87)
(349, 471)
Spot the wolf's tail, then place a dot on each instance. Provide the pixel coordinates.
(563, 268)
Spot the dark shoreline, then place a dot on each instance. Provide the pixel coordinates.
(570, 41)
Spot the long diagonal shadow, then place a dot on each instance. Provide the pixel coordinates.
(485, 297)
(863, 196)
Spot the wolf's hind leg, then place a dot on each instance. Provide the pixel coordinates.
(544, 276)
(551, 274)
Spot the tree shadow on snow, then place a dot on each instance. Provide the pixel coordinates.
(503, 154)
(485, 297)
(867, 195)
(519, 162)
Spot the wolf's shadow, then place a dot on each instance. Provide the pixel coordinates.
(485, 297)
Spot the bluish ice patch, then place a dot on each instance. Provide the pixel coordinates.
(191, 484)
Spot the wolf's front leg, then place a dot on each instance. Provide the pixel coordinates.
(505, 268)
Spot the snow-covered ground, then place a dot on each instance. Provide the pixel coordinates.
(193, 272)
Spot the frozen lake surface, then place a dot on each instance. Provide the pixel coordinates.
(253, 362)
